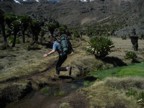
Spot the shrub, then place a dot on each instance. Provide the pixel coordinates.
(100, 46)
(76, 34)
(123, 37)
(131, 55)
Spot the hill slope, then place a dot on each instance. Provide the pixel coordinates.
(75, 12)
(129, 13)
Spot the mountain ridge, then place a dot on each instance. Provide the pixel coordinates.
(75, 13)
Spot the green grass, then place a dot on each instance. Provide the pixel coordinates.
(131, 70)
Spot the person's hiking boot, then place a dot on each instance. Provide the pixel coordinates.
(70, 70)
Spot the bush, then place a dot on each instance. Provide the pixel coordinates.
(131, 55)
(76, 34)
(11, 39)
(100, 46)
(123, 37)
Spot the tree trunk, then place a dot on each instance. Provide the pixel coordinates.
(14, 39)
(4, 36)
(23, 36)
(2, 26)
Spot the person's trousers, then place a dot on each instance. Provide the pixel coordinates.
(60, 61)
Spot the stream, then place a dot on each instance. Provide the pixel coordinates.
(47, 96)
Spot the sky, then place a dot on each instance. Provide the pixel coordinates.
(35, 0)
(17, 1)
(47, 0)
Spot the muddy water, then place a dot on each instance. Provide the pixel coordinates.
(47, 96)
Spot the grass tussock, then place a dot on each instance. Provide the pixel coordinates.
(125, 83)
(102, 96)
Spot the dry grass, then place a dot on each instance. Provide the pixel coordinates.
(100, 95)
(25, 69)
(125, 83)
(123, 46)
(20, 62)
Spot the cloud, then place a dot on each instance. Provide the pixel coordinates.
(86, 0)
(37, 0)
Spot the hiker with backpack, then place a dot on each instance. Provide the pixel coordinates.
(63, 47)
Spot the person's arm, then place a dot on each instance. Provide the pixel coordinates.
(49, 53)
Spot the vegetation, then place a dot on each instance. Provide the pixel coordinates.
(132, 70)
(52, 25)
(124, 91)
(131, 55)
(123, 86)
(100, 46)
(116, 93)
(28, 28)
(2, 26)
(106, 27)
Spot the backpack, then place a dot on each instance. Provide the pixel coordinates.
(66, 45)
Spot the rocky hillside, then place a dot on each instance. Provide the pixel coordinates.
(74, 12)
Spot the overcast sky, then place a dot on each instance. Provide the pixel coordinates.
(17, 1)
